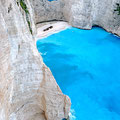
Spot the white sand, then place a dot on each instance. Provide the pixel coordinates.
(57, 27)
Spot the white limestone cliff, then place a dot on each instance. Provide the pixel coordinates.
(87, 13)
(48, 11)
(28, 90)
(80, 13)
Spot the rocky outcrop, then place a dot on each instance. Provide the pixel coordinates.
(80, 13)
(87, 13)
(48, 11)
(28, 90)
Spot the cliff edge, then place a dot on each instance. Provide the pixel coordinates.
(79, 13)
(28, 90)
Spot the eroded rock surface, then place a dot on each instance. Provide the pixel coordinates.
(28, 90)
(47, 11)
(80, 13)
(87, 13)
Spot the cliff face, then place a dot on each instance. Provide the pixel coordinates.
(87, 13)
(47, 11)
(80, 13)
(28, 91)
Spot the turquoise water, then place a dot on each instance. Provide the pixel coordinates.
(86, 65)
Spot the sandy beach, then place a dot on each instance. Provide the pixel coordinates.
(56, 27)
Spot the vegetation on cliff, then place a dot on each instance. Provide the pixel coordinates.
(24, 7)
(118, 8)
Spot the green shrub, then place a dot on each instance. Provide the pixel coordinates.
(24, 7)
(29, 26)
(117, 8)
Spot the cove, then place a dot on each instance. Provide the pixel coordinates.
(86, 65)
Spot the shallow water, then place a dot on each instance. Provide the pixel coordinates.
(86, 65)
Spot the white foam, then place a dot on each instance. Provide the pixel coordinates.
(72, 114)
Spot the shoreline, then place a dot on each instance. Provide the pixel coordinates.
(56, 27)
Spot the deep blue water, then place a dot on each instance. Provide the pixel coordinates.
(52, 0)
(86, 65)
